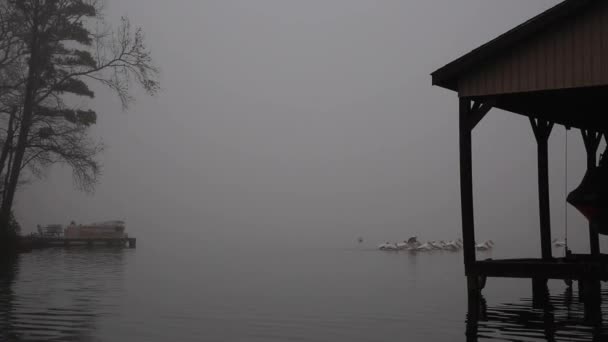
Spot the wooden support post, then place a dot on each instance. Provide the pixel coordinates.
(542, 131)
(593, 301)
(469, 116)
(540, 292)
(466, 193)
(549, 321)
(592, 141)
(581, 291)
(476, 312)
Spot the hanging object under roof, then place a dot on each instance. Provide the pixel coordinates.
(591, 196)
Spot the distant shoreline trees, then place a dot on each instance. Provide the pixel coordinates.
(49, 55)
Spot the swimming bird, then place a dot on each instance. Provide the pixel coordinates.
(559, 243)
(424, 247)
(452, 246)
(387, 247)
(413, 242)
(485, 246)
(402, 245)
(435, 244)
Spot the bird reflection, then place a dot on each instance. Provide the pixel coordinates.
(553, 318)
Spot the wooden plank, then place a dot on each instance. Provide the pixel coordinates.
(472, 84)
(542, 47)
(493, 78)
(550, 54)
(508, 77)
(501, 73)
(523, 70)
(569, 47)
(596, 47)
(560, 58)
(604, 44)
(587, 57)
(484, 78)
(533, 53)
(588, 257)
(541, 269)
(578, 52)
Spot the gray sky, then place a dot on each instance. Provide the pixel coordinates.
(310, 122)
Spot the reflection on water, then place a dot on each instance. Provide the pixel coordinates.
(8, 271)
(58, 297)
(261, 294)
(560, 317)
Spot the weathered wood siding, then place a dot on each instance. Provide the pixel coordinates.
(569, 55)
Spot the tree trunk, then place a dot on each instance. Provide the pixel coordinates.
(7, 176)
(8, 143)
(26, 121)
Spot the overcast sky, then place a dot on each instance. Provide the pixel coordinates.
(310, 122)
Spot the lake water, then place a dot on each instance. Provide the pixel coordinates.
(269, 294)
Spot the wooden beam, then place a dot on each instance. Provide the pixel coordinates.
(477, 311)
(540, 292)
(542, 128)
(592, 139)
(542, 131)
(589, 257)
(478, 112)
(592, 297)
(539, 268)
(466, 188)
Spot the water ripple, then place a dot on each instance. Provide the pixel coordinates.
(58, 297)
(561, 318)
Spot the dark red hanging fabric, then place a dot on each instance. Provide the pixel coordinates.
(591, 197)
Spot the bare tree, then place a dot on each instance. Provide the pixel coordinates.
(61, 137)
(63, 56)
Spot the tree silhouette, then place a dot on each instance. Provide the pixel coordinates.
(58, 56)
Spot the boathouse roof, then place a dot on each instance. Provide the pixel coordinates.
(554, 67)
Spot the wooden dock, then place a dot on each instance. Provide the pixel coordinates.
(577, 267)
(513, 73)
(33, 242)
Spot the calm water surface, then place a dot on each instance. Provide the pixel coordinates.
(269, 294)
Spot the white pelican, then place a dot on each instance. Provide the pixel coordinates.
(424, 247)
(452, 246)
(435, 245)
(388, 247)
(485, 246)
(559, 243)
(402, 245)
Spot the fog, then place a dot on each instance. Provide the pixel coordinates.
(310, 123)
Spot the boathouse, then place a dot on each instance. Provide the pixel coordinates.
(552, 69)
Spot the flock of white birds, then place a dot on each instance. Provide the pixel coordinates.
(412, 244)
